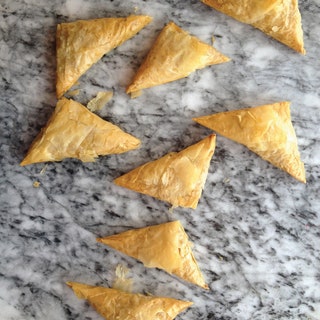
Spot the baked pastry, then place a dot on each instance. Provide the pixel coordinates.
(177, 178)
(75, 132)
(266, 130)
(82, 43)
(114, 304)
(174, 55)
(165, 246)
(279, 19)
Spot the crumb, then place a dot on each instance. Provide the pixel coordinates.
(171, 209)
(43, 170)
(74, 92)
(226, 180)
(36, 184)
(100, 100)
(136, 9)
(136, 94)
(213, 39)
(122, 282)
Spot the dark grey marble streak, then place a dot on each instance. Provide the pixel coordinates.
(256, 230)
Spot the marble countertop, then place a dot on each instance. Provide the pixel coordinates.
(256, 230)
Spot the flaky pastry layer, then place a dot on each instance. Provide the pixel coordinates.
(114, 304)
(74, 132)
(279, 19)
(266, 130)
(177, 178)
(165, 246)
(174, 55)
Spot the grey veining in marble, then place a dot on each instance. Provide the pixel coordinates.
(256, 230)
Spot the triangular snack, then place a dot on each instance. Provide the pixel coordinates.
(82, 43)
(165, 246)
(279, 19)
(177, 178)
(74, 132)
(174, 55)
(114, 304)
(266, 130)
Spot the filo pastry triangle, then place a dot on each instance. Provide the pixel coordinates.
(82, 43)
(114, 304)
(279, 19)
(174, 55)
(266, 130)
(165, 246)
(74, 132)
(177, 178)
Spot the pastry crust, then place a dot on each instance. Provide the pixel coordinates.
(114, 304)
(174, 55)
(75, 132)
(165, 246)
(82, 43)
(177, 178)
(279, 19)
(247, 11)
(266, 130)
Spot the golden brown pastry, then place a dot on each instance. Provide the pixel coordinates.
(165, 246)
(114, 304)
(75, 132)
(82, 43)
(174, 55)
(266, 130)
(177, 178)
(279, 19)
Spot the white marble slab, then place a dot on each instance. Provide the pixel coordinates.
(256, 229)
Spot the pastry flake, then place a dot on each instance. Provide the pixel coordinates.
(174, 55)
(279, 19)
(122, 281)
(177, 178)
(266, 130)
(75, 132)
(82, 43)
(114, 304)
(165, 246)
(100, 100)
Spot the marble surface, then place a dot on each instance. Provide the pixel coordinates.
(256, 230)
